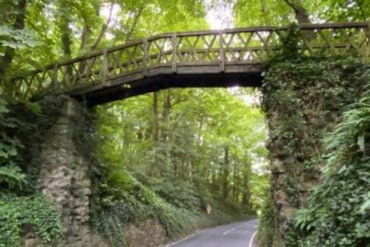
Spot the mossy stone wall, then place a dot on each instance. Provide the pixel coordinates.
(303, 99)
(59, 161)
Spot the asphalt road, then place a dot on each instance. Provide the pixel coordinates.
(232, 235)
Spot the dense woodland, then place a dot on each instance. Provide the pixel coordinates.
(171, 153)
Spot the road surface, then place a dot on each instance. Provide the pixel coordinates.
(232, 235)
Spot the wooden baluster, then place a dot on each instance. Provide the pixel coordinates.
(145, 58)
(105, 78)
(55, 78)
(174, 53)
(366, 54)
(222, 52)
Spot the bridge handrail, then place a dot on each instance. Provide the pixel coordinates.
(229, 46)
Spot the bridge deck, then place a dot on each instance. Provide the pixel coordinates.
(163, 77)
(189, 59)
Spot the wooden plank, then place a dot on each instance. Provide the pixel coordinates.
(198, 69)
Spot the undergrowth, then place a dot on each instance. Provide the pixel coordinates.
(266, 227)
(20, 204)
(129, 201)
(35, 211)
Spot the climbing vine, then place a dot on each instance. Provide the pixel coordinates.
(342, 219)
(304, 99)
(37, 211)
(20, 205)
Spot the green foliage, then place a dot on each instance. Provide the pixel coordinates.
(271, 12)
(176, 221)
(165, 179)
(130, 201)
(10, 225)
(181, 195)
(107, 222)
(12, 176)
(204, 140)
(304, 99)
(266, 223)
(16, 211)
(36, 211)
(16, 39)
(342, 219)
(290, 45)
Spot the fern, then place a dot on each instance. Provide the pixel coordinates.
(13, 177)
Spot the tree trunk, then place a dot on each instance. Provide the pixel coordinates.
(246, 191)
(66, 39)
(155, 134)
(166, 117)
(300, 12)
(225, 173)
(17, 25)
(235, 184)
(155, 130)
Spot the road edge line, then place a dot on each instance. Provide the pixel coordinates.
(181, 240)
(252, 239)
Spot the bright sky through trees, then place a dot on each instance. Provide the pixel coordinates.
(219, 14)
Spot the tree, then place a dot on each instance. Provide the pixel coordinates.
(283, 12)
(12, 32)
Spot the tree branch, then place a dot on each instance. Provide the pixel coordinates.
(104, 27)
(136, 20)
(263, 6)
(300, 12)
(362, 12)
(85, 36)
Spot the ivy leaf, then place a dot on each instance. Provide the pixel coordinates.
(361, 142)
(3, 154)
(366, 205)
(11, 44)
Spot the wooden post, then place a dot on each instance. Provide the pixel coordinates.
(365, 54)
(174, 53)
(146, 57)
(222, 52)
(55, 77)
(105, 69)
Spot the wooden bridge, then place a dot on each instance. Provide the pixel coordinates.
(187, 59)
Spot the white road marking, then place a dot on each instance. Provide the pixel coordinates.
(252, 239)
(228, 231)
(181, 240)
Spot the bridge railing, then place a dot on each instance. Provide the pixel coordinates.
(170, 53)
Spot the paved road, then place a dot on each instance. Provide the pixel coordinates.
(231, 235)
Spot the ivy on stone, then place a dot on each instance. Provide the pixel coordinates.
(338, 213)
(305, 98)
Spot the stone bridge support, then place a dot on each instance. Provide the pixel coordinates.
(64, 159)
(304, 99)
(64, 174)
